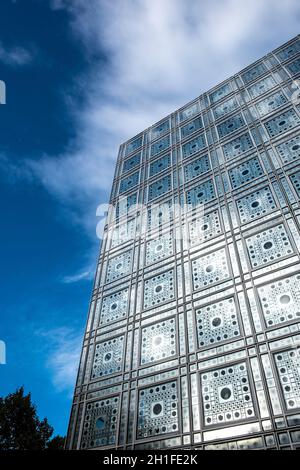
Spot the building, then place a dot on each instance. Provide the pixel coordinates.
(192, 339)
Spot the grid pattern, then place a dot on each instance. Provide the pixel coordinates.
(193, 334)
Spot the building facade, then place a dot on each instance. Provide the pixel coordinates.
(193, 334)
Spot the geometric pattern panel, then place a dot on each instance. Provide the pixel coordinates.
(158, 341)
(159, 165)
(160, 145)
(289, 51)
(159, 248)
(129, 182)
(217, 322)
(262, 86)
(119, 266)
(288, 368)
(226, 395)
(134, 145)
(282, 123)
(159, 214)
(193, 146)
(271, 103)
(245, 172)
(189, 112)
(201, 194)
(256, 204)
(205, 228)
(158, 410)
(209, 269)
(114, 306)
(159, 288)
(230, 125)
(108, 357)
(236, 147)
(160, 187)
(125, 203)
(220, 93)
(289, 150)
(100, 421)
(225, 108)
(196, 168)
(131, 162)
(280, 300)
(191, 127)
(268, 246)
(295, 179)
(123, 234)
(160, 129)
(294, 67)
(254, 73)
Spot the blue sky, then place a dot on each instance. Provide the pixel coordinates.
(81, 78)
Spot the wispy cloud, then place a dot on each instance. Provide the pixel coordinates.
(63, 346)
(81, 276)
(148, 58)
(15, 56)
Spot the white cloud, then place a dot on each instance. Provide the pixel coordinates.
(63, 351)
(158, 55)
(15, 56)
(81, 276)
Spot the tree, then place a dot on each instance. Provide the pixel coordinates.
(20, 426)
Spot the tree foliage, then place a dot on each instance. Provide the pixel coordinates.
(20, 426)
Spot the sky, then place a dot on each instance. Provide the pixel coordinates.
(81, 78)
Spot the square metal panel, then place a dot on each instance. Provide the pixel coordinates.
(282, 123)
(119, 266)
(226, 395)
(193, 146)
(189, 112)
(131, 162)
(288, 368)
(160, 145)
(245, 172)
(204, 228)
(268, 246)
(209, 269)
(271, 103)
(225, 108)
(134, 145)
(280, 300)
(294, 67)
(129, 182)
(262, 86)
(114, 306)
(254, 72)
(238, 146)
(217, 322)
(159, 289)
(158, 341)
(201, 194)
(196, 168)
(159, 248)
(256, 204)
(100, 423)
(191, 127)
(158, 410)
(289, 150)
(222, 91)
(230, 125)
(160, 187)
(108, 357)
(290, 51)
(160, 165)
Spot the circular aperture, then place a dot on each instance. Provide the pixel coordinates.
(100, 423)
(114, 306)
(225, 393)
(159, 247)
(107, 357)
(209, 268)
(119, 266)
(157, 340)
(157, 409)
(245, 172)
(285, 299)
(216, 321)
(268, 245)
(158, 289)
(282, 123)
(296, 147)
(255, 204)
